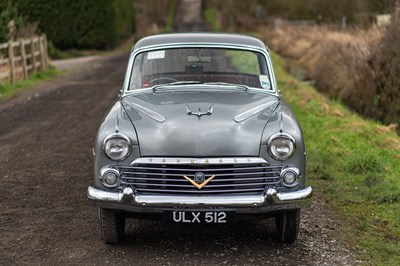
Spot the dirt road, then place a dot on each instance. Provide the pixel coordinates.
(46, 137)
(188, 16)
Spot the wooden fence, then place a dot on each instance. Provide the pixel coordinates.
(21, 58)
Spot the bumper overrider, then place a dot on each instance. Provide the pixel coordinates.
(271, 199)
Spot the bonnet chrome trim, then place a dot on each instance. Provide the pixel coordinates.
(253, 111)
(203, 161)
(147, 111)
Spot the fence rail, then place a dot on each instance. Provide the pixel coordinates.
(21, 58)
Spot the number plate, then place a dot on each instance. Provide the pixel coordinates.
(199, 217)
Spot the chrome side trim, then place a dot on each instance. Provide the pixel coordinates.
(203, 161)
(127, 196)
(203, 44)
(253, 111)
(150, 113)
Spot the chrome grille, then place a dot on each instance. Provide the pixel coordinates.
(159, 178)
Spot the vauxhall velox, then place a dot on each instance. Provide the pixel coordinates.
(199, 134)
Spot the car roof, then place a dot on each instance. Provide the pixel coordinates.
(198, 38)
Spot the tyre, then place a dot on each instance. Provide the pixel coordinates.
(287, 226)
(112, 226)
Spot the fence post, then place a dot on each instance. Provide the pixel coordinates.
(23, 58)
(33, 55)
(46, 57)
(42, 63)
(11, 61)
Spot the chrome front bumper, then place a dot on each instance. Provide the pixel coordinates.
(270, 198)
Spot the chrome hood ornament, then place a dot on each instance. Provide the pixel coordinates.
(200, 113)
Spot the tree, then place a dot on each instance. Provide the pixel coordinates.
(8, 15)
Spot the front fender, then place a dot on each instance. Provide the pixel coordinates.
(116, 120)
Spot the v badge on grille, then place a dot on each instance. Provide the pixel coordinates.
(199, 186)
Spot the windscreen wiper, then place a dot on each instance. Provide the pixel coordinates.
(183, 82)
(244, 87)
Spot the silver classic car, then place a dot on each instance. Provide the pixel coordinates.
(199, 134)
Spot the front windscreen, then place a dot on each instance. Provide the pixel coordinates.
(202, 65)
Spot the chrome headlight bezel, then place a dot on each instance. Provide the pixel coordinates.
(117, 136)
(295, 172)
(104, 171)
(285, 137)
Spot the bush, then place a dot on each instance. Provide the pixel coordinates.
(364, 75)
(8, 12)
(98, 24)
(359, 67)
(384, 66)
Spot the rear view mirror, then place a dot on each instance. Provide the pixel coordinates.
(202, 59)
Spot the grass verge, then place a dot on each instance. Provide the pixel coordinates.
(355, 163)
(7, 90)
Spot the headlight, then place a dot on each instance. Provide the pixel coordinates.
(281, 146)
(117, 146)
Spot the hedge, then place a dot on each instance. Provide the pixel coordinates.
(8, 12)
(93, 24)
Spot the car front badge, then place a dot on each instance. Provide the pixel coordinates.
(199, 180)
(200, 113)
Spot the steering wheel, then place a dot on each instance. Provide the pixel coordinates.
(161, 79)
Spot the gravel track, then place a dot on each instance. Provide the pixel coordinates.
(46, 138)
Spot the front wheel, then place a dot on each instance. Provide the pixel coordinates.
(112, 226)
(287, 226)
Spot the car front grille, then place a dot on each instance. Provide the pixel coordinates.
(161, 178)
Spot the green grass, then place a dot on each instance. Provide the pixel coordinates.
(7, 90)
(355, 163)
